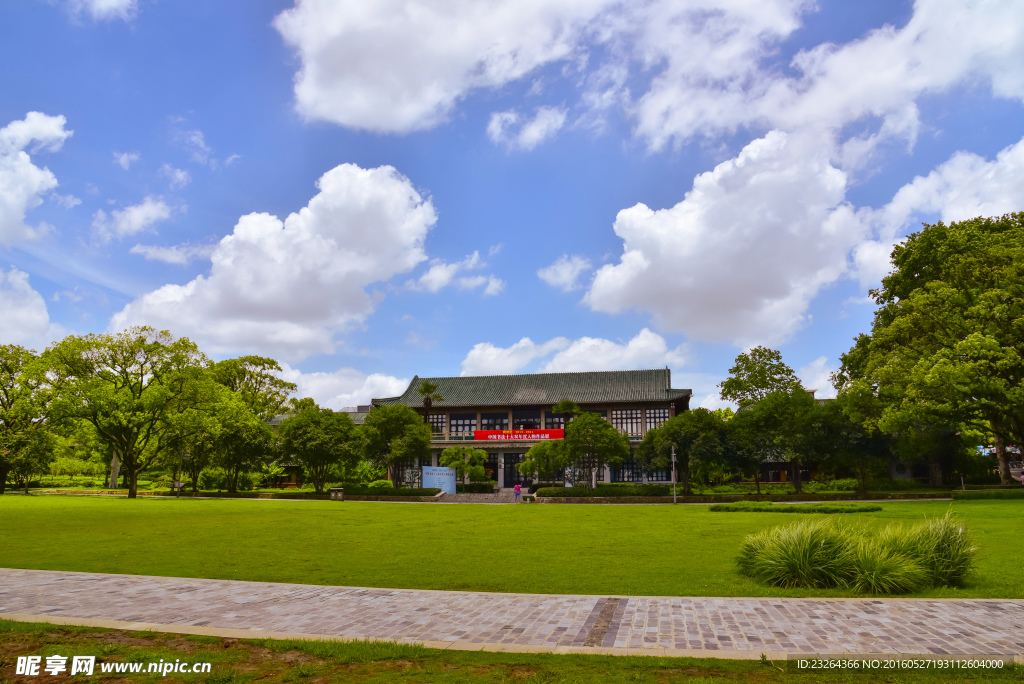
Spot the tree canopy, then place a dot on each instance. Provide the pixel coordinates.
(319, 440)
(755, 375)
(394, 437)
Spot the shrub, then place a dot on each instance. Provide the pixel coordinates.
(810, 553)
(950, 551)
(890, 485)
(405, 491)
(212, 478)
(247, 481)
(476, 487)
(990, 494)
(884, 570)
(847, 484)
(769, 507)
(380, 484)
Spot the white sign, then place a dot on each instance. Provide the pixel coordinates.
(441, 478)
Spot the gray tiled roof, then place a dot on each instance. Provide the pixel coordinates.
(593, 387)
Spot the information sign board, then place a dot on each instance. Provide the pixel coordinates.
(441, 478)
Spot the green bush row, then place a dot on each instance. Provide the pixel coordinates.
(624, 489)
(769, 507)
(476, 487)
(825, 553)
(390, 491)
(990, 494)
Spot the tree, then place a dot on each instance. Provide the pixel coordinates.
(748, 445)
(395, 436)
(428, 391)
(129, 386)
(24, 407)
(946, 347)
(789, 421)
(545, 459)
(319, 439)
(255, 380)
(243, 440)
(755, 375)
(591, 442)
(467, 461)
(697, 435)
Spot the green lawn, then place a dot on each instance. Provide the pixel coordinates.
(589, 549)
(264, 660)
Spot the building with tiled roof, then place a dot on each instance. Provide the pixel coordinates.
(507, 414)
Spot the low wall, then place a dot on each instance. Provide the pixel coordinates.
(730, 498)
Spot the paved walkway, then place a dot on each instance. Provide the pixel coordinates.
(694, 626)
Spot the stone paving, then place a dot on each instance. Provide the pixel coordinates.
(656, 625)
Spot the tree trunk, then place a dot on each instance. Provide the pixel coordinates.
(133, 480)
(3, 478)
(115, 467)
(757, 480)
(934, 472)
(1003, 460)
(794, 469)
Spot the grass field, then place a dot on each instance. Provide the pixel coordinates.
(636, 550)
(318, 661)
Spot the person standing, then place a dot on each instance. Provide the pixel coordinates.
(519, 491)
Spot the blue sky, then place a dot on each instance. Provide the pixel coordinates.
(368, 191)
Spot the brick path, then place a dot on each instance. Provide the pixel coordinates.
(693, 626)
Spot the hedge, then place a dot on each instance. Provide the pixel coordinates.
(990, 494)
(374, 491)
(476, 488)
(768, 507)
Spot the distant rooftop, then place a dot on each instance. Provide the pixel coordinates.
(589, 387)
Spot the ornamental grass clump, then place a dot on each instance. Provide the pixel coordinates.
(810, 553)
(894, 560)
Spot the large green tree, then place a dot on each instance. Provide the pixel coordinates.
(946, 348)
(467, 461)
(544, 459)
(129, 386)
(256, 381)
(319, 440)
(394, 437)
(244, 441)
(590, 443)
(756, 374)
(696, 436)
(25, 397)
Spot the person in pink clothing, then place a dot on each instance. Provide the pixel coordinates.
(519, 492)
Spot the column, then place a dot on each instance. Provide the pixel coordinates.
(501, 471)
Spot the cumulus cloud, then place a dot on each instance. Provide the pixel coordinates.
(963, 187)
(131, 220)
(345, 387)
(544, 125)
(289, 287)
(24, 319)
(66, 201)
(646, 350)
(177, 178)
(741, 257)
(565, 272)
(22, 183)
(401, 65)
(441, 274)
(126, 159)
(180, 255)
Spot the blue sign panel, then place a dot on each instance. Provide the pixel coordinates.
(441, 478)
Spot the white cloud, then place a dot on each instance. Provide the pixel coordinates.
(289, 287)
(344, 387)
(544, 125)
(133, 219)
(194, 142)
(177, 178)
(442, 274)
(963, 187)
(741, 257)
(22, 183)
(487, 359)
(817, 376)
(107, 9)
(126, 159)
(646, 350)
(24, 319)
(175, 254)
(401, 65)
(565, 272)
(66, 201)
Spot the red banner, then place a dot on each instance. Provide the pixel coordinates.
(517, 435)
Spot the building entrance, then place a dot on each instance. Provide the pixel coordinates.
(512, 474)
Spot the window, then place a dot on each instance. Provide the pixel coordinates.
(656, 417)
(437, 422)
(554, 421)
(629, 422)
(660, 475)
(526, 420)
(461, 425)
(629, 471)
(494, 421)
